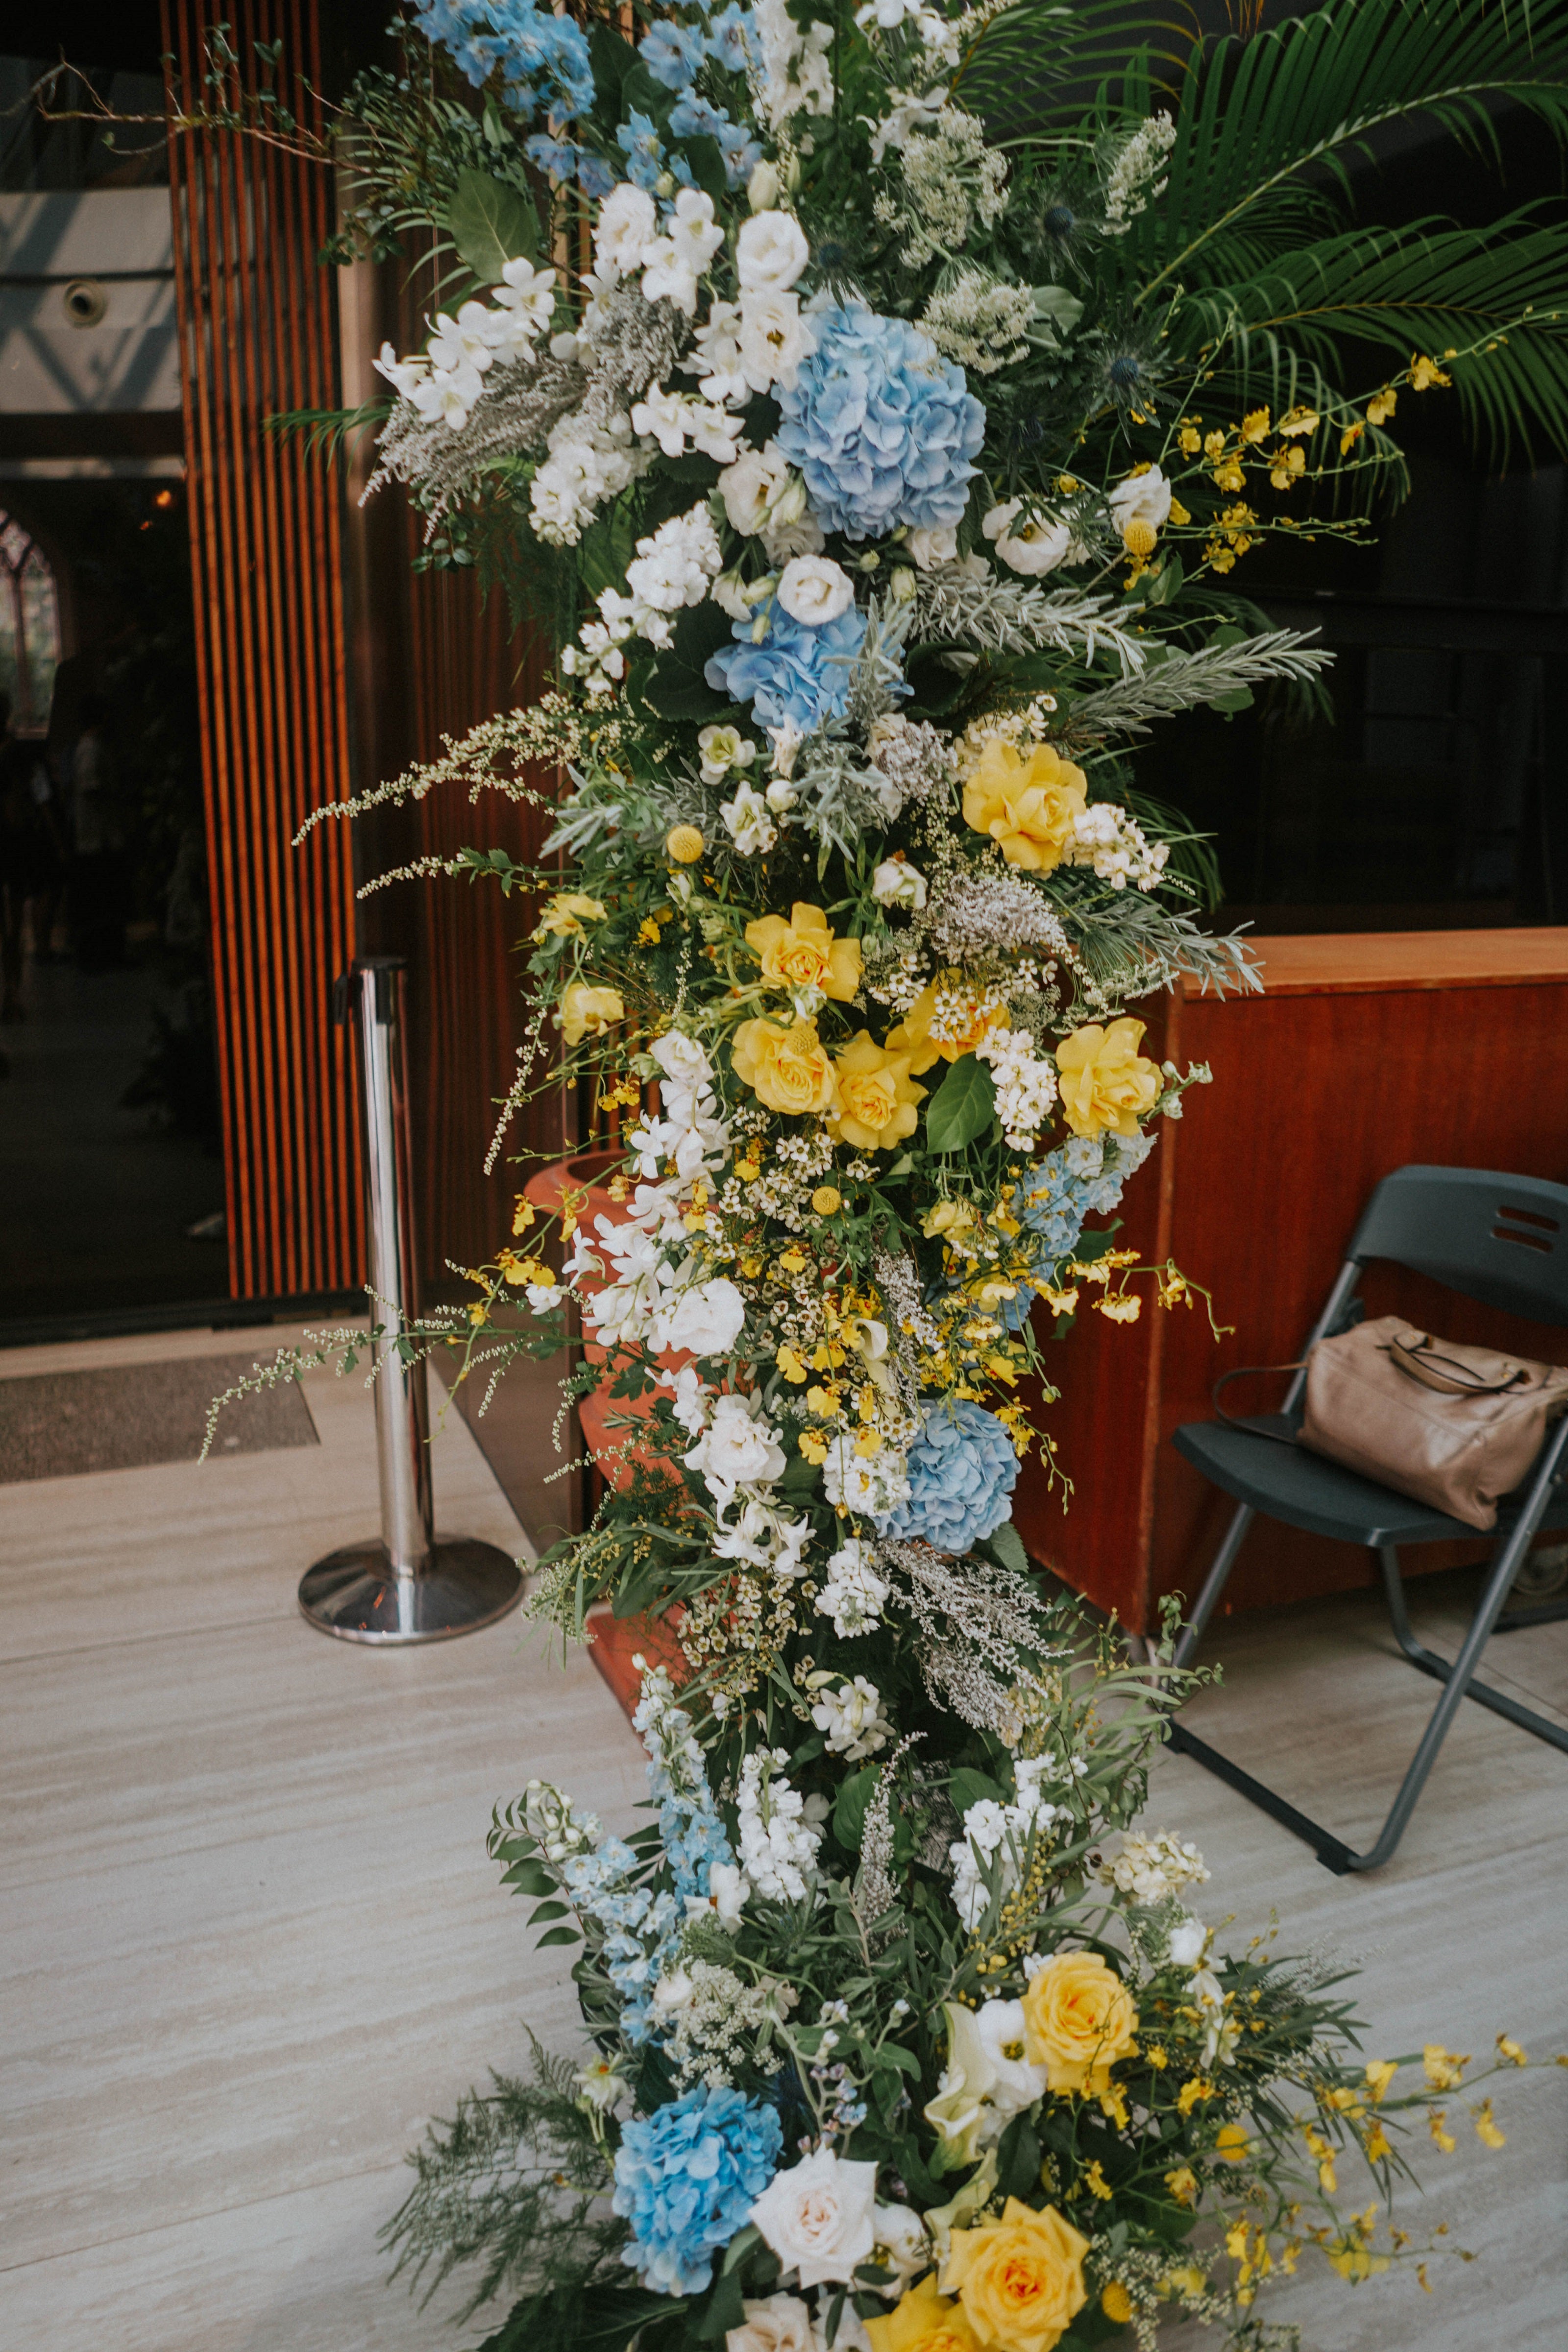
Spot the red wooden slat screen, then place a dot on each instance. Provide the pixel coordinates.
(258, 333)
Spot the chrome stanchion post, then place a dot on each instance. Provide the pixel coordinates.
(411, 1585)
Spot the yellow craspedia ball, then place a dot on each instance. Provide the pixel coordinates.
(1138, 537)
(684, 845)
(1115, 2301)
(1233, 2143)
(827, 1200)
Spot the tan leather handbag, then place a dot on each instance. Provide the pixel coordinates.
(1449, 1424)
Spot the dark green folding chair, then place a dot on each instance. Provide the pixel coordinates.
(1499, 1239)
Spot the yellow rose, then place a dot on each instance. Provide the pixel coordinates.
(1020, 2280)
(1105, 1080)
(788, 1070)
(588, 1012)
(968, 1016)
(922, 2321)
(877, 1095)
(1079, 2020)
(561, 915)
(804, 953)
(1026, 805)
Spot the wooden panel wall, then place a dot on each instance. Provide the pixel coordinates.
(257, 335)
(1256, 1192)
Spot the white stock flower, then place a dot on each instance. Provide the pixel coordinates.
(750, 825)
(723, 748)
(707, 1318)
(627, 226)
(897, 883)
(778, 1842)
(669, 279)
(543, 1297)
(771, 251)
(717, 357)
(736, 1449)
(1152, 1869)
(819, 2217)
(815, 590)
(871, 1485)
(852, 1593)
(850, 1717)
(1036, 548)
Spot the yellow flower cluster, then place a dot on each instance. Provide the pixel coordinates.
(1027, 801)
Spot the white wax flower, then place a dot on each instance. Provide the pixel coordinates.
(818, 2217)
(813, 590)
(897, 883)
(1037, 547)
(771, 251)
(626, 225)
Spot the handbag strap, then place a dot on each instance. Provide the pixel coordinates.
(1447, 1374)
(1235, 1420)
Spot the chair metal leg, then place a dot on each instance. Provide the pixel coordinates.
(1214, 1584)
(1456, 1678)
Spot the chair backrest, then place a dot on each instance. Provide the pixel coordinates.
(1500, 1239)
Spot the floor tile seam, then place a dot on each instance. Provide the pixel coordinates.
(277, 1616)
(392, 2164)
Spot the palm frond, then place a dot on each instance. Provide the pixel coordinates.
(1305, 96)
(1035, 68)
(1497, 298)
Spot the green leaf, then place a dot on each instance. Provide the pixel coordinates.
(967, 1787)
(531, 1878)
(849, 1808)
(612, 56)
(1019, 2158)
(706, 161)
(1007, 1544)
(548, 1911)
(675, 687)
(559, 1936)
(491, 223)
(962, 1107)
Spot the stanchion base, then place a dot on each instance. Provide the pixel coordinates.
(354, 1594)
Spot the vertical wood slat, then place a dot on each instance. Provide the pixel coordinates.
(257, 335)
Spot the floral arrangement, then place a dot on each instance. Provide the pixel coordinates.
(884, 415)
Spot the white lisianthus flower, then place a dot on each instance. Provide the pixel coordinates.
(987, 2080)
(707, 1317)
(752, 486)
(671, 1993)
(850, 1717)
(815, 590)
(1141, 498)
(765, 186)
(736, 1449)
(774, 339)
(897, 883)
(723, 748)
(781, 797)
(667, 278)
(627, 226)
(750, 825)
(936, 545)
(819, 2217)
(681, 1059)
(1185, 1945)
(1036, 548)
(779, 2322)
(903, 2245)
(771, 251)
(786, 741)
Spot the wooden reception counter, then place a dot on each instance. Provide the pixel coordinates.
(1365, 1052)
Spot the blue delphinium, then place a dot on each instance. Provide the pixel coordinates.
(799, 676)
(732, 41)
(1082, 1178)
(686, 2178)
(689, 1829)
(962, 1470)
(696, 118)
(883, 429)
(672, 53)
(542, 58)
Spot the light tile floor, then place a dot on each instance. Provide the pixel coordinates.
(249, 1939)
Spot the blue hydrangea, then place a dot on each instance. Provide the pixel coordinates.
(542, 58)
(799, 676)
(686, 2178)
(884, 429)
(672, 53)
(962, 1472)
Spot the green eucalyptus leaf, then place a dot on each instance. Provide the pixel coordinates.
(491, 223)
(962, 1107)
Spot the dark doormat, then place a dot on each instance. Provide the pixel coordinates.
(127, 1416)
